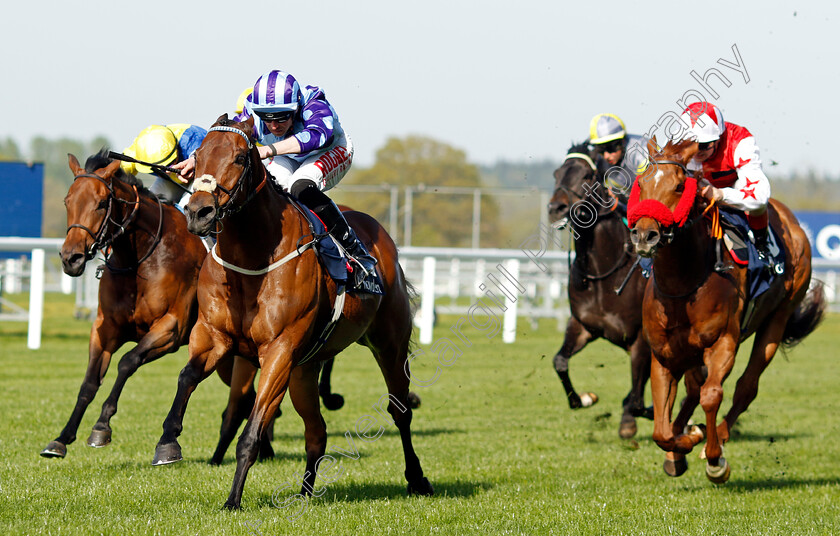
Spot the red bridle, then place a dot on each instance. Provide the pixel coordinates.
(651, 208)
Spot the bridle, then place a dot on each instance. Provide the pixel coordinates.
(207, 183)
(578, 196)
(599, 215)
(102, 238)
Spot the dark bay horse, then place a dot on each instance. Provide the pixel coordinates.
(604, 261)
(271, 301)
(695, 315)
(147, 291)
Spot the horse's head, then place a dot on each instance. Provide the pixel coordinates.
(662, 196)
(90, 207)
(225, 165)
(573, 182)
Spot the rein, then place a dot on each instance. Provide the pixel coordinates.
(101, 238)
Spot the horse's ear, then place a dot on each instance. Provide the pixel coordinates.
(652, 146)
(73, 162)
(249, 122)
(223, 117)
(686, 150)
(111, 168)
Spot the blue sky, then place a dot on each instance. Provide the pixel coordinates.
(499, 80)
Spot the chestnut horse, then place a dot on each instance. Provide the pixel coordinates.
(271, 300)
(147, 292)
(604, 263)
(694, 312)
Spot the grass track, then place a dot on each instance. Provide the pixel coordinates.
(494, 435)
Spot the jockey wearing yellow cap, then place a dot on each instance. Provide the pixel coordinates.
(168, 145)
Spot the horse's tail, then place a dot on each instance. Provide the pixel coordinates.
(807, 316)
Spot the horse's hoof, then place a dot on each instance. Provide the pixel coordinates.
(627, 428)
(333, 401)
(421, 487)
(587, 400)
(55, 449)
(231, 506)
(675, 467)
(166, 454)
(413, 400)
(99, 438)
(215, 462)
(718, 474)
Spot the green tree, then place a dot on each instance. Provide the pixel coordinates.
(439, 218)
(9, 150)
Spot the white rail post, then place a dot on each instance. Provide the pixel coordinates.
(427, 302)
(509, 325)
(36, 299)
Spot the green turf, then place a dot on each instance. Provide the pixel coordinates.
(494, 434)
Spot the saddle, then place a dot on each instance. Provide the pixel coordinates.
(736, 238)
(331, 256)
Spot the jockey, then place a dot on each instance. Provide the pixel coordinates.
(308, 150)
(169, 145)
(626, 153)
(729, 161)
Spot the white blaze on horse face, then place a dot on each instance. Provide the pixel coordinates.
(656, 178)
(205, 183)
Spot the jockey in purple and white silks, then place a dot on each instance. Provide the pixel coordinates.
(308, 150)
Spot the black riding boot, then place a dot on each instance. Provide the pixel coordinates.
(761, 236)
(337, 226)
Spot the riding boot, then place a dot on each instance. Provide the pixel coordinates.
(760, 241)
(338, 227)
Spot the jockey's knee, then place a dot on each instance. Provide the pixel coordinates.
(300, 185)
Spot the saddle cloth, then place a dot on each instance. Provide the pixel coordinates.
(334, 262)
(743, 251)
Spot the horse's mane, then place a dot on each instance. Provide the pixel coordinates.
(582, 147)
(101, 160)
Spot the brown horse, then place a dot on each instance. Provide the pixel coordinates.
(695, 313)
(604, 263)
(147, 291)
(271, 301)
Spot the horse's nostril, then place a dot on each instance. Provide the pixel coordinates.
(205, 213)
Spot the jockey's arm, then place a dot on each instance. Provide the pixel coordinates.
(751, 190)
(290, 145)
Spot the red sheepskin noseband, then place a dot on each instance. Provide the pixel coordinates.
(651, 208)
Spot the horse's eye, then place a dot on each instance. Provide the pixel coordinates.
(102, 205)
(242, 159)
(680, 187)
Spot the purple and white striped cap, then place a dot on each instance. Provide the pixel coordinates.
(276, 91)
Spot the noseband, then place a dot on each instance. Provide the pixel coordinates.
(207, 183)
(657, 210)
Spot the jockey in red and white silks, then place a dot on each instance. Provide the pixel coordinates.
(729, 160)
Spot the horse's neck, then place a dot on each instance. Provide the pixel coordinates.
(268, 224)
(142, 230)
(599, 247)
(684, 264)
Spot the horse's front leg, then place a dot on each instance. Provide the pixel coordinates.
(164, 337)
(104, 342)
(276, 360)
(719, 359)
(207, 347)
(663, 386)
(576, 337)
